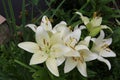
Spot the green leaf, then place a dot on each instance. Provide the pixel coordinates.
(41, 75)
(116, 36)
(105, 1)
(35, 2)
(76, 23)
(91, 73)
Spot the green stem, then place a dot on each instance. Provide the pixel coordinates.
(47, 10)
(7, 15)
(49, 2)
(32, 12)
(58, 8)
(23, 13)
(42, 15)
(5, 9)
(24, 65)
(12, 16)
(114, 2)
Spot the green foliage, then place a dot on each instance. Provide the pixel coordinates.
(116, 40)
(35, 2)
(14, 61)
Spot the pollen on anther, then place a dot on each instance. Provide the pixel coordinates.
(40, 48)
(108, 50)
(44, 41)
(47, 44)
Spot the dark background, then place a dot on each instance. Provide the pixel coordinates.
(17, 7)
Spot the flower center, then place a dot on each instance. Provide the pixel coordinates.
(46, 48)
(71, 43)
(79, 59)
(104, 46)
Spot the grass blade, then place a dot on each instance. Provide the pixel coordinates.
(58, 8)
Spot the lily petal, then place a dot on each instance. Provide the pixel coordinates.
(73, 37)
(84, 19)
(42, 37)
(100, 38)
(32, 26)
(102, 35)
(55, 38)
(60, 26)
(38, 57)
(81, 47)
(60, 60)
(107, 41)
(69, 65)
(96, 21)
(93, 39)
(82, 68)
(52, 66)
(105, 61)
(29, 46)
(80, 27)
(106, 27)
(62, 29)
(72, 53)
(46, 24)
(107, 53)
(76, 34)
(86, 41)
(89, 56)
(59, 50)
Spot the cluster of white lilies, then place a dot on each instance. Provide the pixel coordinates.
(59, 44)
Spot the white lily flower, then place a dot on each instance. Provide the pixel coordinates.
(45, 50)
(101, 47)
(94, 25)
(80, 61)
(60, 30)
(95, 22)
